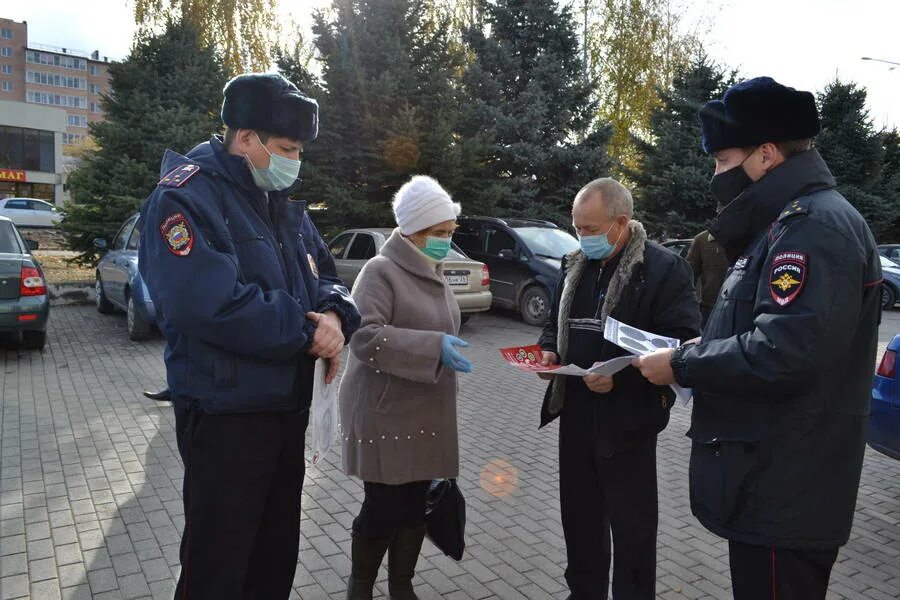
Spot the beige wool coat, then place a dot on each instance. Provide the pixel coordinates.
(397, 402)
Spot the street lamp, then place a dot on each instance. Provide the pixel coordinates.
(893, 64)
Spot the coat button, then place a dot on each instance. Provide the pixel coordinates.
(377, 372)
(378, 347)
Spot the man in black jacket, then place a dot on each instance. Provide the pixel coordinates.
(783, 376)
(608, 426)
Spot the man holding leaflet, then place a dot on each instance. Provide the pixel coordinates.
(608, 426)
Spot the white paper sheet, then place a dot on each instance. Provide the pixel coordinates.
(323, 412)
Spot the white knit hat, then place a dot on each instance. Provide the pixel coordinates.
(421, 203)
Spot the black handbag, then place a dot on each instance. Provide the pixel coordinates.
(445, 517)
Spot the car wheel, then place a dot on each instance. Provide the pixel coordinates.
(34, 340)
(104, 306)
(534, 305)
(138, 328)
(888, 297)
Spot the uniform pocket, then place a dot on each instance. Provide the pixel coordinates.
(224, 370)
(724, 479)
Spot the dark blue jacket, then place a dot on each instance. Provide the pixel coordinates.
(233, 275)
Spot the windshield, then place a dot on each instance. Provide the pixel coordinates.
(9, 242)
(547, 241)
(886, 262)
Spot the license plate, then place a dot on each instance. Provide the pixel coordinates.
(457, 279)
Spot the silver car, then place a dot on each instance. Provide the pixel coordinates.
(469, 279)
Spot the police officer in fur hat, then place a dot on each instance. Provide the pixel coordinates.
(783, 373)
(248, 300)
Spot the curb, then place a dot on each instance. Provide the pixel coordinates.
(70, 293)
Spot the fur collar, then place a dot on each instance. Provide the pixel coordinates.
(632, 258)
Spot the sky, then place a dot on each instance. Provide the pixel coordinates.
(801, 43)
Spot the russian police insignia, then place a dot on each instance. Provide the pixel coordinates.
(177, 234)
(178, 176)
(789, 272)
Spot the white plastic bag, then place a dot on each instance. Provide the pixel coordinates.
(323, 412)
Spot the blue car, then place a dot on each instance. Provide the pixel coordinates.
(118, 283)
(884, 423)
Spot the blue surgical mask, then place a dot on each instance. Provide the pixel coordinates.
(436, 247)
(279, 175)
(597, 247)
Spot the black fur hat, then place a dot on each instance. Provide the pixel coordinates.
(757, 111)
(269, 102)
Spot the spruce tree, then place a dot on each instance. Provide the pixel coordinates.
(856, 154)
(529, 118)
(672, 179)
(165, 94)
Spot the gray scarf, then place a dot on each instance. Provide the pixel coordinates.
(632, 258)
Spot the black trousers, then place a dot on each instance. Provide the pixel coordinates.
(766, 573)
(242, 483)
(607, 501)
(387, 508)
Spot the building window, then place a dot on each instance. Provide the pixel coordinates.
(95, 107)
(77, 121)
(56, 60)
(6, 34)
(53, 79)
(95, 89)
(7, 86)
(93, 70)
(27, 149)
(72, 138)
(7, 69)
(4, 51)
(56, 99)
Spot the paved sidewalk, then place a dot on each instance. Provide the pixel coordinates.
(90, 480)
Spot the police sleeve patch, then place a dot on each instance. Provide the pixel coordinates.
(177, 234)
(178, 176)
(789, 272)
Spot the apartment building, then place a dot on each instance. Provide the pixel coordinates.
(52, 76)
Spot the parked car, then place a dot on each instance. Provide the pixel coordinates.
(24, 303)
(680, 247)
(890, 289)
(30, 212)
(469, 279)
(891, 251)
(118, 282)
(884, 422)
(523, 256)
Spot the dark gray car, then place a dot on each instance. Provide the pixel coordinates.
(24, 304)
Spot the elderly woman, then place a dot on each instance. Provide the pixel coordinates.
(398, 396)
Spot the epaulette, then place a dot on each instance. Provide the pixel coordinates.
(178, 176)
(799, 206)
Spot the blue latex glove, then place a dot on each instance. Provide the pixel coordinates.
(451, 358)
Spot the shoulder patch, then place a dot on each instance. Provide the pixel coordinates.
(788, 276)
(800, 206)
(178, 176)
(176, 233)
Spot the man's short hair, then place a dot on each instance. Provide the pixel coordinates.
(794, 147)
(230, 134)
(616, 198)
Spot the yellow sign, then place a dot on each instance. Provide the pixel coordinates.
(12, 175)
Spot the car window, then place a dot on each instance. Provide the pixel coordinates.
(35, 205)
(135, 239)
(363, 247)
(547, 241)
(9, 241)
(498, 240)
(122, 236)
(886, 262)
(468, 238)
(339, 244)
(17, 204)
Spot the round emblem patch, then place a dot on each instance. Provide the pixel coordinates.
(789, 270)
(177, 234)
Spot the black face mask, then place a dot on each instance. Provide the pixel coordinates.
(727, 186)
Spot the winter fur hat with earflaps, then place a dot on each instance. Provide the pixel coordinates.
(269, 102)
(757, 111)
(421, 203)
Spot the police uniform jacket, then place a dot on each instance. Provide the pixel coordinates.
(233, 272)
(783, 375)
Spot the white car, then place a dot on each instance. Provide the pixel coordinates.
(30, 212)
